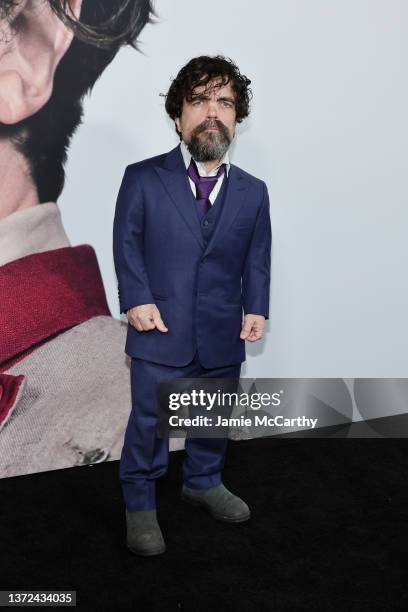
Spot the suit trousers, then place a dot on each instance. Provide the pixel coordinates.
(144, 455)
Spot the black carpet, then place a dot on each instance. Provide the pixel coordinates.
(328, 532)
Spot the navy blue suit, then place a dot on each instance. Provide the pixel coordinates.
(201, 272)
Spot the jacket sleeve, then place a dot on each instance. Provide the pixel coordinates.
(256, 272)
(128, 230)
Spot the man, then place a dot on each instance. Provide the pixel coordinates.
(189, 227)
(64, 380)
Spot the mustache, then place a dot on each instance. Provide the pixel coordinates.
(212, 123)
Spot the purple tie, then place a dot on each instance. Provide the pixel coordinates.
(204, 185)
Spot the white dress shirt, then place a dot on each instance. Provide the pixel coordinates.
(202, 171)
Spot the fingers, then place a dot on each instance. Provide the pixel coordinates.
(146, 322)
(142, 322)
(246, 329)
(256, 334)
(252, 328)
(159, 322)
(145, 318)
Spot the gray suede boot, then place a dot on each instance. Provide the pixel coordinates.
(222, 504)
(144, 536)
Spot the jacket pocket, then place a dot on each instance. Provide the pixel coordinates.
(242, 226)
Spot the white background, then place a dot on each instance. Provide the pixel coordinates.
(327, 132)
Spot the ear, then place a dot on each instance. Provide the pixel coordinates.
(37, 40)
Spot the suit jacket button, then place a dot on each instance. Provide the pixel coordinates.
(205, 222)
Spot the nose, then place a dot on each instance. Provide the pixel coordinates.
(212, 108)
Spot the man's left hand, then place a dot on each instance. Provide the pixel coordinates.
(252, 327)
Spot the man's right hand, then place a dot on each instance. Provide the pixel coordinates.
(145, 317)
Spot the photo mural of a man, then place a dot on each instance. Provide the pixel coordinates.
(64, 378)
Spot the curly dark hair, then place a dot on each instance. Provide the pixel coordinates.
(200, 71)
(102, 29)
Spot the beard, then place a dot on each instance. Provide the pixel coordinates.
(211, 145)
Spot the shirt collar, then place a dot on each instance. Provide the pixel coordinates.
(31, 230)
(47, 293)
(200, 166)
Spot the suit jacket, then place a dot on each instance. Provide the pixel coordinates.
(160, 257)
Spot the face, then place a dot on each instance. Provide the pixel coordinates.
(33, 40)
(207, 121)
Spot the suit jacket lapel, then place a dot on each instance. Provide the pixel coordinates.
(173, 174)
(174, 177)
(237, 188)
